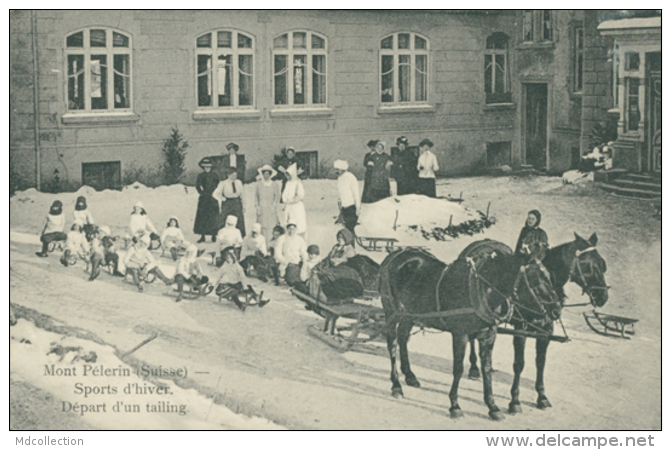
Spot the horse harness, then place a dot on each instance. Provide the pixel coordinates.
(579, 277)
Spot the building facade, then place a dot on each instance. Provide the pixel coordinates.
(94, 94)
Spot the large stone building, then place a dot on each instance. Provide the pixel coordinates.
(94, 94)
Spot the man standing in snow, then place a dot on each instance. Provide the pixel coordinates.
(349, 199)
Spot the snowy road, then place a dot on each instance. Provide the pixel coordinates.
(263, 363)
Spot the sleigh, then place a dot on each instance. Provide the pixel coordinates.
(610, 325)
(367, 321)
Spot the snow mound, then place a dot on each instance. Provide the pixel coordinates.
(576, 177)
(135, 186)
(85, 190)
(408, 212)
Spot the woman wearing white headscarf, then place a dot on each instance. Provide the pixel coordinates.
(266, 200)
(293, 199)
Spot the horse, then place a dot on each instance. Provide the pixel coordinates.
(577, 261)
(416, 287)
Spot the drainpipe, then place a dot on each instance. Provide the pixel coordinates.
(36, 100)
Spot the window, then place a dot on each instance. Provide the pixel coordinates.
(632, 112)
(615, 75)
(98, 70)
(578, 58)
(632, 61)
(546, 17)
(225, 69)
(496, 69)
(102, 175)
(299, 69)
(498, 153)
(537, 26)
(404, 68)
(528, 25)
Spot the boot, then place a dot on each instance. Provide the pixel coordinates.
(95, 270)
(173, 253)
(238, 303)
(65, 257)
(201, 240)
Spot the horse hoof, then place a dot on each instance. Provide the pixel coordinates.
(456, 413)
(543, 403)
(397, 392)
(412, 382)
(496, 415)
(514, 408)
(474, 373)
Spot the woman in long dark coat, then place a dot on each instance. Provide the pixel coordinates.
(405, 165)
(207, 215)
(376, 186)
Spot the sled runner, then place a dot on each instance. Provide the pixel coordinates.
(368, 322)
(613, 326)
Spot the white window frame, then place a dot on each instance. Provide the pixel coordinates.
(493, 52)
(308, 52)
(109, 51)
(214, 52)
(396, 52)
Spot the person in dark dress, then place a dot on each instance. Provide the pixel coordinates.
(379, 164)
(369, 170)
(405, 165)
(207, 215)
(533, 241)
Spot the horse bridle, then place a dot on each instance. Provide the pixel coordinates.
(579, 278)
(542, 304)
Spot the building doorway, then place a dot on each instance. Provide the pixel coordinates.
(536, 125)
(654, 92)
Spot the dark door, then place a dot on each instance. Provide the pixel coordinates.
(654, 137)
(536, 125)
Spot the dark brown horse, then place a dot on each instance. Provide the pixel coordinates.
(417, 288)
(579, 262)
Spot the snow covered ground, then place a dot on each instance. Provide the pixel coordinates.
(263, 363)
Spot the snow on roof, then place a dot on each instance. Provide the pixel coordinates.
(632, 23)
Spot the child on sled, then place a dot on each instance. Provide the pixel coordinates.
(140, 224)
(254, 257)
(172, 238)
(52, 231)
(231, 281)
(103, 253)
(190, 273)
(140, 262)
(75, 245)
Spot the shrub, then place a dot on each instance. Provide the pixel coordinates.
(174, 150)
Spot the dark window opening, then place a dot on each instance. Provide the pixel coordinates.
(102, 175)
(310, 163)
(498, 153)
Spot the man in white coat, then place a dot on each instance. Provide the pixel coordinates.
(349, 199)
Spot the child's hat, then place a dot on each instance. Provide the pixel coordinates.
(340, 164)
(104, 229)
(231, 220)
(313, 249)
(256, 228)
(56, 208)
(80, 204)
(139, 204)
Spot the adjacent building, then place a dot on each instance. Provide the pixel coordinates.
(95, 93)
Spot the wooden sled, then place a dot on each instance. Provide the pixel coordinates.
(189, 293)
(369, 322)
(613, 326)
(377, 244)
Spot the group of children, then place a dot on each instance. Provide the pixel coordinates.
(96, 246)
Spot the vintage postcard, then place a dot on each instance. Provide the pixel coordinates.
(336, 220)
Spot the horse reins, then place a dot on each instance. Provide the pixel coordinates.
(586, 288)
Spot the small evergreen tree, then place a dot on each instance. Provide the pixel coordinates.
(174, 149)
